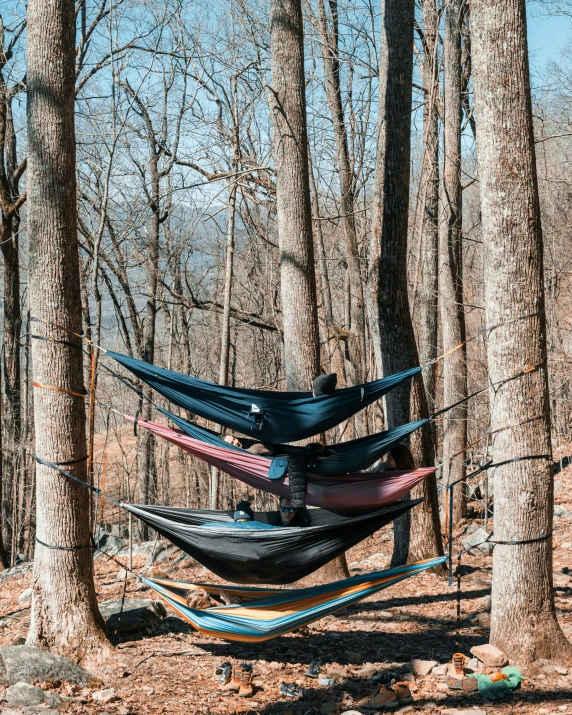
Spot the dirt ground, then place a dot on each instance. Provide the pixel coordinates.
(169, 668)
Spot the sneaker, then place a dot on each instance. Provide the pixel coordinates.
(224, 671)
(313, 671)
(290, 690)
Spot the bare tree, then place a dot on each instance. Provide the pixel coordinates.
(523, 621)
(388, 305)
(65, 617)
(293, 205)
(450, 261)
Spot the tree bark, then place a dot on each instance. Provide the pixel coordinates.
(330, 54)
(294, 215)
(450, 262)
(426, 323)
(390, 320)
(65, 616)
(523, 622)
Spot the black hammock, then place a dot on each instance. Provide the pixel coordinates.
(269, 416)
(348, 457)
(255, 556)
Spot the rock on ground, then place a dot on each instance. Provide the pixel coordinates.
(474, 542)
(138, 614)
(25, 596)
(18, 570)
(22, 663)
(24, 694)
(105, 696)
(490, 655)
(421, 668)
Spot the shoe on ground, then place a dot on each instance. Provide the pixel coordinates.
(385, 698)
(459, 661)
(233, 685)
(403, 693)
(313, 671)
(224, 671)
(290, 690)
(246, 689)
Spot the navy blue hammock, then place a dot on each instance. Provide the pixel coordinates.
(352, 456)
(272, 417)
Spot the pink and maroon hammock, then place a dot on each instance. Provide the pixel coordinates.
(349, 495)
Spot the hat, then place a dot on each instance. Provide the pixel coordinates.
(325, 384)
(243, 511)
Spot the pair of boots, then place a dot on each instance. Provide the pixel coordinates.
(456, 678)
(389, 697)
(236, 678)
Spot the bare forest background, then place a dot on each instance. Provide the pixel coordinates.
(178, 237)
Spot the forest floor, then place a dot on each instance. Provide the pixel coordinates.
(169, 668)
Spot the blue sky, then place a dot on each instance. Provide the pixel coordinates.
(547, 36)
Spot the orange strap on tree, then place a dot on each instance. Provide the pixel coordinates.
(59, 389)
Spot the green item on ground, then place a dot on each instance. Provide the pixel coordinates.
(499, 688)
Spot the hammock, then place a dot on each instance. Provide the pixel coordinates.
(273, 556)
(343, 458)
(268, 613)
(349, 494)
(269, 416)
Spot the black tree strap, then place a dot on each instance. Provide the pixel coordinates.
(64, 548)
(95, 490)
(55, 340)
(68, 463)
(523, 541)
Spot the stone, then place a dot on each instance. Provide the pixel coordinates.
(353, 657)
(109, 544)
(25, 596)
(138, 614)
(561, 670)
(560, 580)
(429, 705)
(351, 712)
(105, 696)
(123, 710)
(328, 708)
(490, 655)
(476, 542)
(24, 694)
(481, 619)
(439, 670)
(386, 615)
(473, 664)
(487, 602)
(26, 664)
(18, 570)
(559, 510)
(464, 711)
(421, 668)
(326, 681)
(368, 671)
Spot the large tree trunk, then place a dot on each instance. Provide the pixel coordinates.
(450, 263)
(297, 271)
(523, 621)
(65, 617)
(390, 320)
(294, 215)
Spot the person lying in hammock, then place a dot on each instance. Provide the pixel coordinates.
(288, 515)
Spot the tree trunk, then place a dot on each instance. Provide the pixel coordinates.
(523, 622)
(390, 320)
(147, 462)
(426, 323)
(65, 616)
(450, 263)
(294, 215)
(330, 55)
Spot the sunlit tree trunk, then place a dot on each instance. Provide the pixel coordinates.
(450, 263)
(523, 621)
(388, 304)
(65, 617)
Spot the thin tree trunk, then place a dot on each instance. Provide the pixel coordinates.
(330, 55)
(523, 622)
(450, 263)
(65, 617)
(3, 559)
(390, 320)
(426, 314)
(147, 463)
(294, 215)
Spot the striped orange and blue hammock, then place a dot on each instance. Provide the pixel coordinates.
(268, 613)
